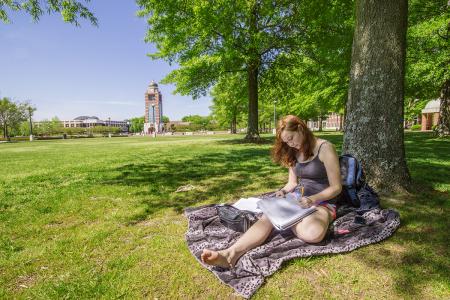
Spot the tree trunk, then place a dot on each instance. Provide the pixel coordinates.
(252, 73)
(320, 124)
(443, 127)
(252, 128)
(375, 104)
(340, 121)
(6, 132)
(233, 124)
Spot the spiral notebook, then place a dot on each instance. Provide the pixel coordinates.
(283, 212)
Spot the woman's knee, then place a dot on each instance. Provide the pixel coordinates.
(310, 234)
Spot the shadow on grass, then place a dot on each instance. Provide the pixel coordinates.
(420, 250)
(415, 257)
(425, 155)
(242, 141)
(418, 254)
(220, 176)
(217, 176)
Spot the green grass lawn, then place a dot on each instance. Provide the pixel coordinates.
(100, 218)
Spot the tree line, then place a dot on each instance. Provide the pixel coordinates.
(16, 120)
(14, 116)
(197, 123)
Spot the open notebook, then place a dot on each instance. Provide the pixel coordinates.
(284, 212)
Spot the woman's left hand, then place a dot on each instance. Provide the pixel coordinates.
(306, 202)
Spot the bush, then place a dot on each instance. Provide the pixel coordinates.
(416, 127)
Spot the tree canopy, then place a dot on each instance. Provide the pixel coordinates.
(229, 101)
(137, 124)
(12, 114)
(71, 10)
(428, 57)
(210, 39)
(202, 121)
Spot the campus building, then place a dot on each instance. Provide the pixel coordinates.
(334, 121)
(86, 121)
(430, 115)
(153, 109)
(89, 122)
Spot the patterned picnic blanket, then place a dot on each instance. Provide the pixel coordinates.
(206, 231)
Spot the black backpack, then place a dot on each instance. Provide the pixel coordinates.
(355, 191)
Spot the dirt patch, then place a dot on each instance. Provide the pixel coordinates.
(25, 281)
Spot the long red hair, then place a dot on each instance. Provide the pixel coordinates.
(285, 155)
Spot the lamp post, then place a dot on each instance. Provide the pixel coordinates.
(109, 127)
(274, 130)
(154, 120)
(30, 113)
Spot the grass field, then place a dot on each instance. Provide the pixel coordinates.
(100, 218)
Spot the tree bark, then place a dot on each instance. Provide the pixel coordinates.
(233, 124)
(6, 133)
(252, 73)
(252, 128)
(373, 122)
(443, 127)
(320, 124)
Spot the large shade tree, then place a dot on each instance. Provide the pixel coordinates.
(209, 39)
(314, 81)
(373, 124)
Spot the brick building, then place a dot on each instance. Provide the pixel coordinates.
(153, 109)
(334, 121)
(430, 115)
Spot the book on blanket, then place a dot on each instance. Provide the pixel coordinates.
(250, 204)
(284, 212)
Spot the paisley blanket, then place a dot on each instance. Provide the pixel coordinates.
(206, 231)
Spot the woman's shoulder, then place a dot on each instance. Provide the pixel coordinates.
(322, 143)
(325, 148)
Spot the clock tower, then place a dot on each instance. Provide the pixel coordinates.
(153, 109)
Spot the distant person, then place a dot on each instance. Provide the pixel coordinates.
(314, 173)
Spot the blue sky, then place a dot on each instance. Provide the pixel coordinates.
(67, 71)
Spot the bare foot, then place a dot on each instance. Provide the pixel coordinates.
(223, 258)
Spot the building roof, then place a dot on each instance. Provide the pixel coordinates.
(432, 106)
(86, 117)
(153, 84)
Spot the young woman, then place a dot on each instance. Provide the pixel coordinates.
(313, 171)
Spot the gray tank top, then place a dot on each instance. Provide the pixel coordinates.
(313, 176)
